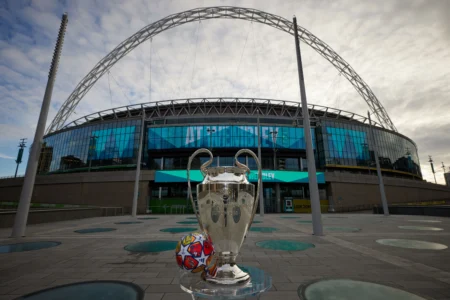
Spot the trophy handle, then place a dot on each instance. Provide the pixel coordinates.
(258, 164)
(203, 170)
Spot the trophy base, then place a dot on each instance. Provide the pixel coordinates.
(227, 274)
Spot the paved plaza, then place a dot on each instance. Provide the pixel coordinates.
(347, 250)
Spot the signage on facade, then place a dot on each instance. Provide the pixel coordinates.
(226, 136)
(267, 175)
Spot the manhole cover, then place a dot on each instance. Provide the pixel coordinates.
(346, 289)
(343, 229)
(179, 229)
(126, 223)
(187, 222)
(304, 222)
(152, 246)
(412, 244)
(21, 247)
(426, 221)
(148, 218)
(263, 229)
(90, 290)
(93, 230)
(290, 217)
(284, 245)
(421, 228)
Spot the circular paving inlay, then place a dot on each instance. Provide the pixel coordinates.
(129, 222)
(93, 230)
(344, 229)
(263, 229)
(30, 246)
(426, 221)
(412, 244)
(421, 228)
(179, 229)
(284, 245)
(90, 290)
(187, 222)
(148, 218)
(152, 246)
(346, 289)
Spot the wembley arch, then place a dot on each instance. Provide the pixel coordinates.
(219, 12)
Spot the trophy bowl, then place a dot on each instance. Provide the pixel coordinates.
(225, 207)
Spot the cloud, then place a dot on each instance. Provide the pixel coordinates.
(398, 47)
(6, 156)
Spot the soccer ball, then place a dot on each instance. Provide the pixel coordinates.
(194, 253)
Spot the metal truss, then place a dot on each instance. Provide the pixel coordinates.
(226, 107)
(220, 12)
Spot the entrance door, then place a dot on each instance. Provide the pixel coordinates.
(269, 200)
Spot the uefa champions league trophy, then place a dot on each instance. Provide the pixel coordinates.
(225, 208)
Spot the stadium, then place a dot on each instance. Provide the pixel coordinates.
(94, 157)
(92, 161)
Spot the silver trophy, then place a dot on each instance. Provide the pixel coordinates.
(225, 207)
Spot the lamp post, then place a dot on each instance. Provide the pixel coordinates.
(366, 155)
(312, 176)
(92, 147)
(380, 176)
(20, 221)
(277, 185)
(261, 189)
(274, 148)
(210, 131)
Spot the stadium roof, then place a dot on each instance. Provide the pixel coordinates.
(226, 107)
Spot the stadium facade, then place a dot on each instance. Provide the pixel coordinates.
(174, 129)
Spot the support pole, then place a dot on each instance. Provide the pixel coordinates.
(20, 221)
(17, 168)
(380, 177)
(312, 176)
(138, 168)
(261, 196)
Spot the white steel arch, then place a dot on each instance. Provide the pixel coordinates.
(219, 12)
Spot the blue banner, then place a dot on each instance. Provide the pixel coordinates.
(267, 176)
(226, 136)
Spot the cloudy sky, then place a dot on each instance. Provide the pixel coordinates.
(400, 48)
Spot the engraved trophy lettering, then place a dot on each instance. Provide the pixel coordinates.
(225, 207)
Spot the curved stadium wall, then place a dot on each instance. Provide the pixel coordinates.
(111, 141)
(173, 129)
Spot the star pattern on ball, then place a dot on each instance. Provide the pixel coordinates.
(193, 252)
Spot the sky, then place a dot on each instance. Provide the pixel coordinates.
(399, 47)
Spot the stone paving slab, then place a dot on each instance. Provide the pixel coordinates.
(352, 255)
